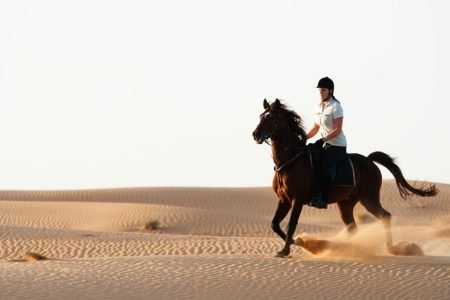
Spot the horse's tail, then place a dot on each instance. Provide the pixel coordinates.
(403, 186)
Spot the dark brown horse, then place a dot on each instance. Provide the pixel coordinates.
(294, 179)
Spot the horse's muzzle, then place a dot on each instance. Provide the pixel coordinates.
(257, 136)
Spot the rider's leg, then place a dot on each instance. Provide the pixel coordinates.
(331, 155)
(319, 200)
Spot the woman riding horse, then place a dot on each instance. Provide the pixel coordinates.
(293, 181)
(328, 118)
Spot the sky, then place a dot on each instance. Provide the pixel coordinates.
(99, 94)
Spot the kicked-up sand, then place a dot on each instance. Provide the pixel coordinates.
(215, 243)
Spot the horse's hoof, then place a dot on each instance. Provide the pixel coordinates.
(282, 255)
(406, 249)
(299, 242)
(390, 249)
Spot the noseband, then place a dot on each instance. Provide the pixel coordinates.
(268, 136)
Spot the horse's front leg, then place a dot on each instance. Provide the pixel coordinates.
(282, 210)
(292, 225)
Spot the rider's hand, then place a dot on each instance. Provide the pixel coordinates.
(319, 143)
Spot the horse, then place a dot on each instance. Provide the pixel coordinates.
(294, 180)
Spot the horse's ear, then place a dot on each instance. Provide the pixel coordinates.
(266, 104)
(277, 103)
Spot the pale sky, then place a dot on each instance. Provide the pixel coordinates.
(167, 93)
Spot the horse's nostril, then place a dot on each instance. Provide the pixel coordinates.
(255, 134)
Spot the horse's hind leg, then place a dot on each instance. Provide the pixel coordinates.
(282, 211)
(373, 205)
(346, 207)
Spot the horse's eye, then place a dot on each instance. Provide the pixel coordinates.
(263, 116)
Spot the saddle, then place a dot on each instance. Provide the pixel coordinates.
(342, 173)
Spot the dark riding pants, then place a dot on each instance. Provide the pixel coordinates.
(330, 156)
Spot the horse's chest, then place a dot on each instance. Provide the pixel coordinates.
(281, 188)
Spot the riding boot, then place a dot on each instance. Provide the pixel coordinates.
(320, 199)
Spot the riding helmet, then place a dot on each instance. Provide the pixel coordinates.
(326, 83)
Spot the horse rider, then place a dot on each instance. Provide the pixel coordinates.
(328, 118)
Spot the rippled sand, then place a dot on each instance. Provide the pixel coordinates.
(213, 243)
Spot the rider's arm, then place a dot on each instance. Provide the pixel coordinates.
(337, 129)
(313, 131)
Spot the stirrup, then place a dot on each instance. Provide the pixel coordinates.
(319, 201)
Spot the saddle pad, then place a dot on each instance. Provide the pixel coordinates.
(343, 173)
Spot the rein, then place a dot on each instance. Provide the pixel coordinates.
(289, 162)
(278, 168)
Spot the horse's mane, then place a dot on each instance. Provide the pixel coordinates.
(294, 121)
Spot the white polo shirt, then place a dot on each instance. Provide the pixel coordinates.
(324, 117)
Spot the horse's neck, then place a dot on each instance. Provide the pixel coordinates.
(283, 149)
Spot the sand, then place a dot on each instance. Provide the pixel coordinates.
(214, 243)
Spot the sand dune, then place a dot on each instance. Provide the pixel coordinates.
(214, 242)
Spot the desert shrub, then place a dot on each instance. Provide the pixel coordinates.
(33, 256)
(153, 224)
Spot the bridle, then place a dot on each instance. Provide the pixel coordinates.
(278, 167)
(268, 136)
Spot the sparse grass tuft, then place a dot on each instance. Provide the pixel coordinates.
(153, 224)
(33, 256)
